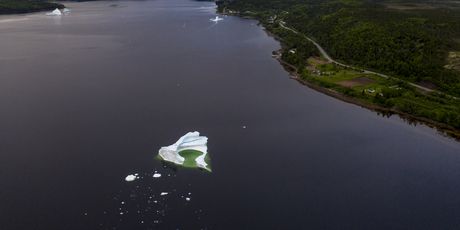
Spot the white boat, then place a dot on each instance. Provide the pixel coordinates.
(55, 12)
(216, 19)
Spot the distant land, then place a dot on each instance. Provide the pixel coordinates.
(26, 6)
(30, 6)
(391, 56)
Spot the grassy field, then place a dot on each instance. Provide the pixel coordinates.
(409, 42)
(392, 94)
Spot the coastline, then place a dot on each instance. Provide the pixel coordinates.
(443, 129)
(25, 7)
(440, 127)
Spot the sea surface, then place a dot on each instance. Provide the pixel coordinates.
(89, 98)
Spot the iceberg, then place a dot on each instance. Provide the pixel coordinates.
(65, 11)
(132, 177)
(190, 150)
(55, 12)
(216, 19)
(156, 175)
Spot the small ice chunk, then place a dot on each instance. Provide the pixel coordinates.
(131, 177)
(163, 193)
(216, 19)
(156, 175)
(55, 12)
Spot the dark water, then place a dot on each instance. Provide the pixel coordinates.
(89, 98)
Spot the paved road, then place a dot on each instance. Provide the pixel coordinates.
(326, 55)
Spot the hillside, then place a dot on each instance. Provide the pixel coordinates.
(393, 57)
(26, 6)
(418, 42)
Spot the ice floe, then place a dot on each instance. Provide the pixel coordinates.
(156, 175)
(151, 200)
(190, 141)
(131, 177)
(55, 12)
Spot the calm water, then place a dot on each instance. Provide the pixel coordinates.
(89, 98)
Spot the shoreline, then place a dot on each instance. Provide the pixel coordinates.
(30, 7)
(441, 128)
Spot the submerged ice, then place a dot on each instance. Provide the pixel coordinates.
(190, 141)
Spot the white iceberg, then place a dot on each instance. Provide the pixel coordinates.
(55, 12)
(190, 141)
(216, 19)
(66, 11)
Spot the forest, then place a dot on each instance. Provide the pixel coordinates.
(412, 42)
(26, 6)
(416, 42)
